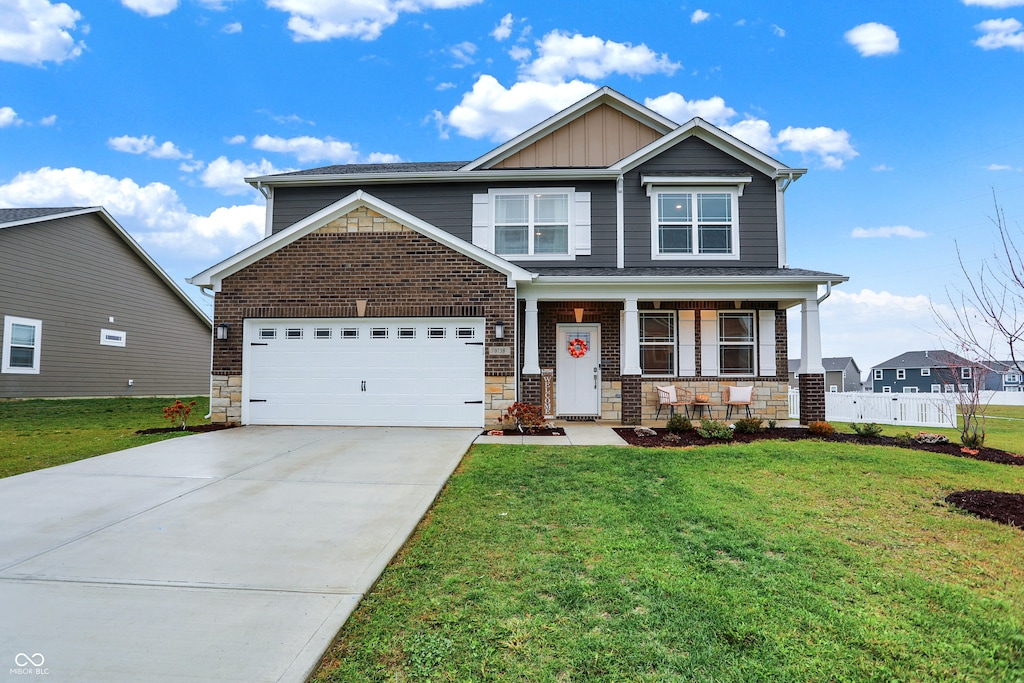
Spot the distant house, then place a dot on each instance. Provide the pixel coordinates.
(934, 372)
(1006, 376)
(841, 374)
(86, 312)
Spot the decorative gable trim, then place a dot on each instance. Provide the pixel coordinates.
(603, 96)
(214, 276)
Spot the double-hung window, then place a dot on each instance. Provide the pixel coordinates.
(21, 344)
(658, 344)
(531, 223)
(694, 222)
(736, 343)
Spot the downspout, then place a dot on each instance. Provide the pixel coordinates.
(828, 292)
(213, 339)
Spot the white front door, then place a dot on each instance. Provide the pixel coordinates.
(578, 370)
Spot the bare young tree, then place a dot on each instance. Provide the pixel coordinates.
(989, 312)
(966, 379)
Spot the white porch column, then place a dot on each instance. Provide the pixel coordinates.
(631, 339)
(810, 339)
(531, 356)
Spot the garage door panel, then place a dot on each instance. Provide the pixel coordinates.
(422, 373)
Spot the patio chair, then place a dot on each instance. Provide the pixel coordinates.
(733, 397)
(669, 396)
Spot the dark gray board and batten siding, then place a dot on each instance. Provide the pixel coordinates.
(75, 273)
(449, 206)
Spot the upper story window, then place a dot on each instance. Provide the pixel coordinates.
(695, 221)
(878, 374)
(965, 373)
(531, 223)
(21, 345)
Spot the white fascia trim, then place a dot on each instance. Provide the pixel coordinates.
(737, 181)
(544, 174)
(787, 294)
(601, 96)
(213, 276)
(716, 137)
(132, 244)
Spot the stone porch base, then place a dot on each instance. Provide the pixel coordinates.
(771, 398)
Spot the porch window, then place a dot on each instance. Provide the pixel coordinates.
(736, 343)
(531, 223)
(658, 344)
(22, 338)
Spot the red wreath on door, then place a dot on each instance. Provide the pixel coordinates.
(577, 348)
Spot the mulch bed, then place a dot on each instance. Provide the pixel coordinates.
(1005, 508)
(540, 431)
(190, 428)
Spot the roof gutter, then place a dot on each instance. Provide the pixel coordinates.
(437, 176)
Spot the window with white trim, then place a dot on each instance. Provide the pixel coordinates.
(886, 390)
(113, 338)
(1013, 379)
(936, 388)
(926, 372)
(965, 373)
(658, 343)
(532, 222)
(909, 390)
(901, 373)
(22, 341)
(689, 222)
(878, 374)
(736, 343)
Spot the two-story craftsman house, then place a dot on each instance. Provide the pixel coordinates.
(603, 252)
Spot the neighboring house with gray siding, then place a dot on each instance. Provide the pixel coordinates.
(935, 371)
(600, 254)
(86, 312)
(841, 374)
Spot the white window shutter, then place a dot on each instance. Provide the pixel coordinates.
(582, 223)
(687, 343)
(483, 235)
(709, 343)
(766, 342)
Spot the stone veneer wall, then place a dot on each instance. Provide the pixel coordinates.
(770, 399)
(611, 400)
(499, 394)
(362, 255)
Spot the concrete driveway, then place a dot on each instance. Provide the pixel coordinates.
(227, 556)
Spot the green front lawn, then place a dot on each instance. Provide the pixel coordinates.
(773, 561)
(42, 433)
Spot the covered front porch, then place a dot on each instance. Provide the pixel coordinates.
(588, 351)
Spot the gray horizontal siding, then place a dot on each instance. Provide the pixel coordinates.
(74, 274)
(758, 225)
(449, 206)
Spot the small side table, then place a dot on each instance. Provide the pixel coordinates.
(697, 409)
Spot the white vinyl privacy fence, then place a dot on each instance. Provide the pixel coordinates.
(920, 410)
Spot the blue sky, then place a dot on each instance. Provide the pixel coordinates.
(908, 115)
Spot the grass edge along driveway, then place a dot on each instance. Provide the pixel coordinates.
(802, 561)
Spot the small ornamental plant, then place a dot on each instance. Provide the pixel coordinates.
(870, 430)
(821, 428)
(178, 413)
(714, 429)
(678, 423)
(749, 425)
(521, 415)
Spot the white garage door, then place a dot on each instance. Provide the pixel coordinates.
(366, 371)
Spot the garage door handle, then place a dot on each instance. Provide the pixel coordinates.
(472, 401)
(258, 344)
(257, 400)
(474, 343)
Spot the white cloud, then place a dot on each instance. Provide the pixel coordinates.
(147, 145)
(504, 29)
(447, 85)
(463, 53)
(881, 168)
(309, 149)
(228, 177)
(319, 20)
(9, 117)
(1000, 33)
(37, 31)
(676, 107)
(698, 16)
(151, 8)
(755, 132)
(871, 326)
(778, 31)
(999, 167)
(995, 4)
(832, 147)
(561, 56)
(236, 140)
(887, 232)
(520, 53)
(873, 39)
(48, 120)
(233, 27)
(493, 111)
